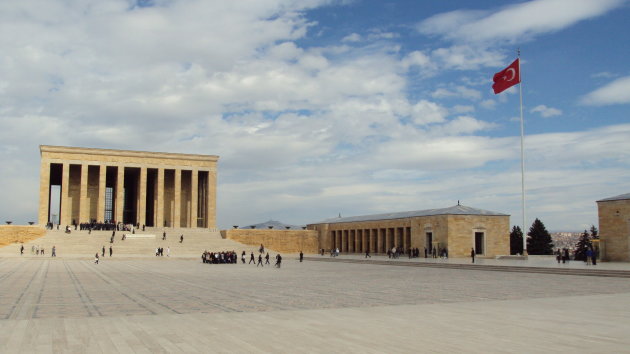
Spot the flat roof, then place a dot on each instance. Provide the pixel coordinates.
(619, 197)
(454, 210)
(131, 153)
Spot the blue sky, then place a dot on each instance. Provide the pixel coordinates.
(325, 107)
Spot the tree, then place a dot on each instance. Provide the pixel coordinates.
(584, 243)
(539, 241)
(594, 232)
(516, 240)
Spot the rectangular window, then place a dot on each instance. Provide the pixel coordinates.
(109, 198)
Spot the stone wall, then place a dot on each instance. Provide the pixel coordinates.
(10, 234)
(462, 228)
(614, 229)
(284, 241)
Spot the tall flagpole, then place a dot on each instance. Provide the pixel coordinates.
(520, 90)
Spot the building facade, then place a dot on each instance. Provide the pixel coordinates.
(614, 228)
(456, 229)
(155, 189)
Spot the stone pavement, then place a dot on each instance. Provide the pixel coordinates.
(178, 305)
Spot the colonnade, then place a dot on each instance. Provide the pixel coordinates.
(373, 240)
(146, 195)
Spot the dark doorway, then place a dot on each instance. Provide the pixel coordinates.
(479, 241)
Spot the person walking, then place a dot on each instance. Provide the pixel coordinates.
(260, 263)
(103, 254)
(267, 259)
(301, 256)
(472, 254)
(243, 257)
(367, 253)
(278, 260)
(110, 251)
(54, 251)
(22, 249)
(96, 258)
(251, 258)
(181, 238)
(163, 235)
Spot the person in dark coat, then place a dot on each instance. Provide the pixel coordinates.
(110, 251)
(472, 254)
(103, 254)
(301, 256)
(260, 263)
(278, 260)
(251, 258)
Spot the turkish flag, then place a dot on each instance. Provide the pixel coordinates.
(506, 78)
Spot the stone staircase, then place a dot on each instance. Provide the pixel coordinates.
(141, 244)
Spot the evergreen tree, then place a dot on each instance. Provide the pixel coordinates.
(516, 240)
(594, 232)
(539, 241)
(583, 244)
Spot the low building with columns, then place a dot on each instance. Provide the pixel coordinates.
(155, 189)
(458, 229)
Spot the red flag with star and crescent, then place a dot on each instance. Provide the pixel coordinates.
(506, 78)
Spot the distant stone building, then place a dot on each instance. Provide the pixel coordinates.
(614, 228)
(458, 229)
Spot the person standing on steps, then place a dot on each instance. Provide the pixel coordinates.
(472, 254)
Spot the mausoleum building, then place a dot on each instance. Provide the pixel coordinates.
(155, 189)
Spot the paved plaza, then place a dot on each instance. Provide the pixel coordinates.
(182, 305)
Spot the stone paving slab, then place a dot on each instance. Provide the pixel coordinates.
(131, 306)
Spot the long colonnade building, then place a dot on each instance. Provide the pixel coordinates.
(155, 189)
(458, 229)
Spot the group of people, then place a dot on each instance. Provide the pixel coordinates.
(160, 252)
(223, 257)
(36, 250)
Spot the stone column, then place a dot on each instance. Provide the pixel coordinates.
(102, 177)
(212, 199)
(44, 193)
(64, 218)
(178, 197)
(120, 193)
(84, 205)
(142, 199)
(159, 217)
(194, 186)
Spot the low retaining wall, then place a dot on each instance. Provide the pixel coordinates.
(285, 241)
(19, 233)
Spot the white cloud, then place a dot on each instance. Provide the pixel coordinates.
(616, 92)
(353, 37)
(426, 112)
(488, 104)
(545, 111)
(457, 91)
(515, 23)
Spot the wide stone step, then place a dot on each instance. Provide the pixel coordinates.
(496, 268)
